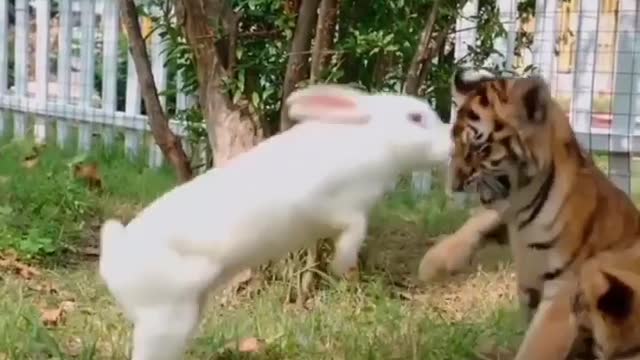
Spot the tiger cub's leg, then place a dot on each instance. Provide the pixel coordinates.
(456, 250)
(582, 348)
(553, 331)
(529, 299)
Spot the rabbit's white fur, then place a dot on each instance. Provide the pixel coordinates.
(317, 179)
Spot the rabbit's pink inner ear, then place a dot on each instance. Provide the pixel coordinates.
(328, 101)
(329, 109)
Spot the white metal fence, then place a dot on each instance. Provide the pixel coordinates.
(50, 63)
(60, 62)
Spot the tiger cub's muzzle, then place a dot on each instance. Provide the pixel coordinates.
(489, 187)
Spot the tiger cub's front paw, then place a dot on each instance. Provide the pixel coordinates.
(449, 255)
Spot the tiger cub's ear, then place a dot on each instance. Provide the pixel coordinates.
(466, 80)
(534, 96)
(617, 301)
(610, 291)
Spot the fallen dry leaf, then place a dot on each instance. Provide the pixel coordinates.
(88, 173)
(10, 262)
(52, 317)
(251, 345)
(55, 316)
(26, 271)
(247, 345)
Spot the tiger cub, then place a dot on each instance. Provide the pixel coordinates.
(514, 147)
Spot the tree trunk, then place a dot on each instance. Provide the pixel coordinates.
(232, 128)
(299, 54)
(324, 37)
(168, 142)
(412, 84)
(439, 43)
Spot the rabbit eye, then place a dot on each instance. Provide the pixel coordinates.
(415, 118)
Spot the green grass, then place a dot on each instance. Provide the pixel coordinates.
(45, 213)
(367, 321)
(48, 218)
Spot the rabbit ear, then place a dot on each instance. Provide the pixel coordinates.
(327, 103)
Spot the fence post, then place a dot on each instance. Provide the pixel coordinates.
(20, 66)
(544, 37)
(183, 101)
(584, 75)
(505, 45)
(87, 70)
(132, 138)
(4, 57)
(42, 128)
(64, 67)
(626, 110)
(111, 31)
(466, 32)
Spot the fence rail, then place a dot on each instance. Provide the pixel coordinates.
(66, 74)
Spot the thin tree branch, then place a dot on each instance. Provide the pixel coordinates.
(439, 43)
(325, 33)
(298, 56)
(169, 143)
(413, 74)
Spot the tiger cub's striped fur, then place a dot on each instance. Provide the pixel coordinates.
(515, 148)
(607, 304)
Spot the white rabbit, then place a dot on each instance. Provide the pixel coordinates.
(317, 179)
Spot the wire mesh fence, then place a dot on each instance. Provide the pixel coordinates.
(594, 75)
